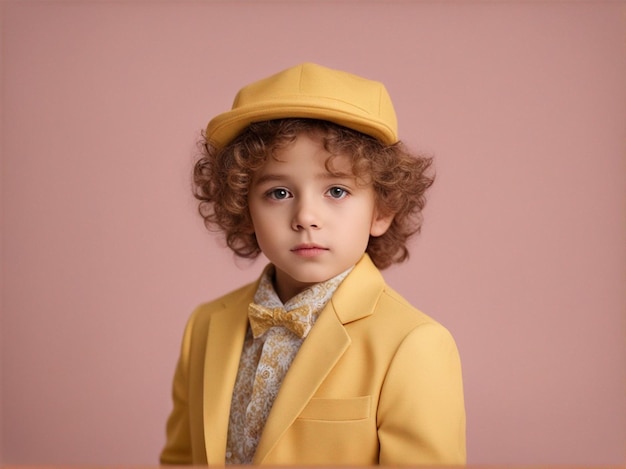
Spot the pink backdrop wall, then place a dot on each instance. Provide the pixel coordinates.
(522, 257)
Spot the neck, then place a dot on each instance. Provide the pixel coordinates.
(286, 287)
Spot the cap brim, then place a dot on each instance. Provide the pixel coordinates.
(227, 126)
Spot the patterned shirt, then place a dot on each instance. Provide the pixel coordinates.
(263, 365)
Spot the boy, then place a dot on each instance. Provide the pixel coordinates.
(319, 361)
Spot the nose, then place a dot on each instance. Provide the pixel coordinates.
(306, 216)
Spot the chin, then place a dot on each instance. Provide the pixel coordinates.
(320, 277)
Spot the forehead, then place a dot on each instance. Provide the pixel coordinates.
(307, 151)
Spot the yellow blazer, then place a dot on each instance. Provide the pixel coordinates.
(375, 382)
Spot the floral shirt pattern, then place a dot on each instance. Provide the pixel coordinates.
(264, 363)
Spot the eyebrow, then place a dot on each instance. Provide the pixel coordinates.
(282, 177)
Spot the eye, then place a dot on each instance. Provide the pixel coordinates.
(278, 194)
(337, 192)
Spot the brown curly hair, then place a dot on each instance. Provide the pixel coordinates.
(222, 177)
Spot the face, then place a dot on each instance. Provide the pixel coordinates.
(311, 224)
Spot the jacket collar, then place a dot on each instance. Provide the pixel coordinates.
(354, 299)
(328, 340)
(357, 296)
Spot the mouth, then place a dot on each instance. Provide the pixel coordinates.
(308, 250)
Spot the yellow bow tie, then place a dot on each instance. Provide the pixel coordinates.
(297, 320)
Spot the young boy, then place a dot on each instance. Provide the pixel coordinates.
(318, 362)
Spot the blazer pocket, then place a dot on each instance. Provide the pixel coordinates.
(355, 408)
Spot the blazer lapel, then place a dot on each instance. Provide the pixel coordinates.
(227, 331)
(320, 351)
(328, 340)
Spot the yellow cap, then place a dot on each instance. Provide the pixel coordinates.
(310, 91)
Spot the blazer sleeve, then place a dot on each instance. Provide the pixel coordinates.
(177, 449)
(421, 412)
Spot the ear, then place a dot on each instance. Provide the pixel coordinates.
(380, 224)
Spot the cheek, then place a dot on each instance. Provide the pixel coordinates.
(358, 228)
(259, 224)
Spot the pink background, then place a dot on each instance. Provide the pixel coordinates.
(522, 257)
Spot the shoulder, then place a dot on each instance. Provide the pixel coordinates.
(226, 300)
(233, 300)
(365, 295)
(393, 305)
(416, 341)
(394, 313)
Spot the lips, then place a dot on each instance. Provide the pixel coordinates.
(309, 250)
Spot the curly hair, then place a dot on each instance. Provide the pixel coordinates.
(222, 177)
